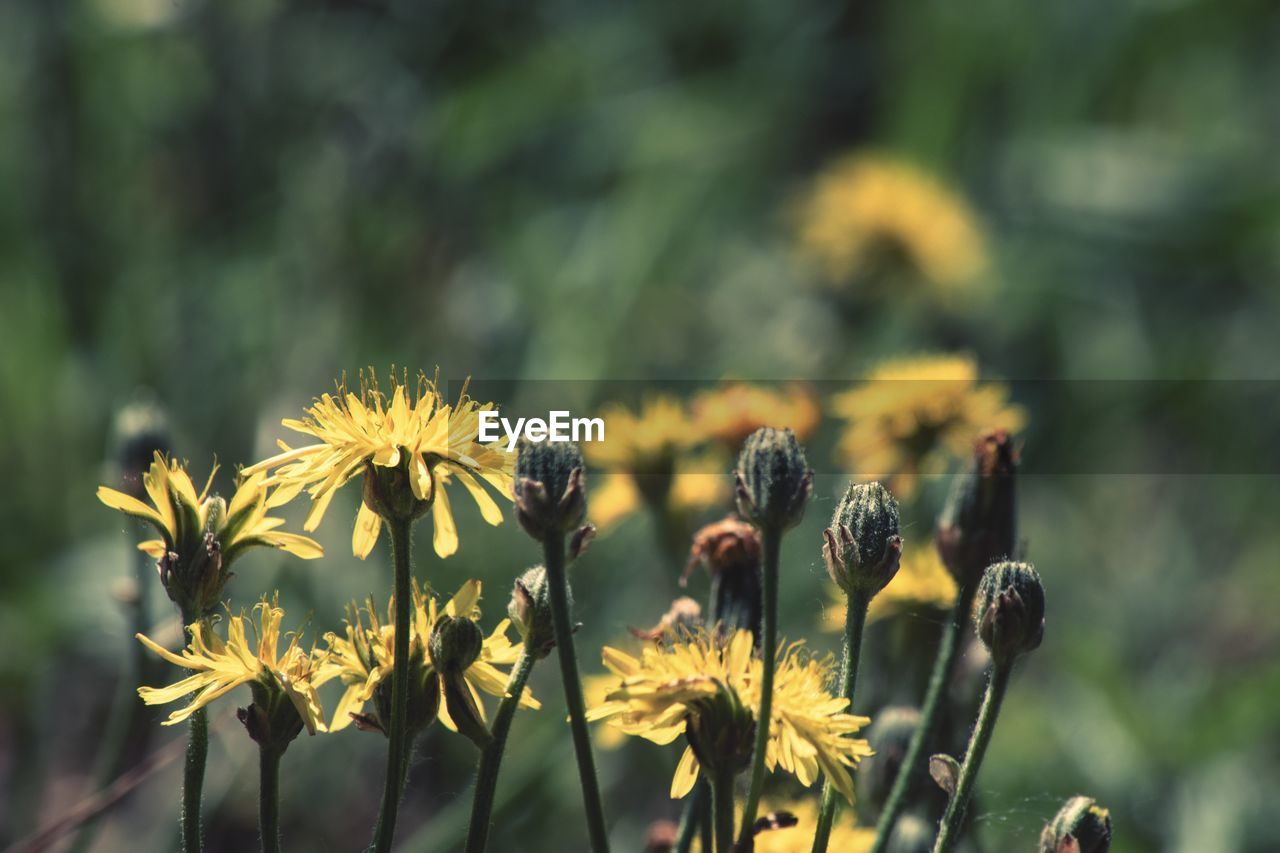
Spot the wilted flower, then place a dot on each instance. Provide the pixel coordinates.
(862, 547)
(733, 411)
(730, 551)
(773, 479)
(1009, 610)
(1081, 826)
(362, 660)
(979, 524)
(407, 446)
(201, 534)
(866, 209)
(221, 666)
(685, 686)
(912, 417)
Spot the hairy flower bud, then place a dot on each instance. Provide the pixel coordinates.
(455, 644)
(889, 735)
(1010, 610)
(773, 479)
(862, 547)
(1082, 826)
(530, 611)
(978, 525)
(550, 487)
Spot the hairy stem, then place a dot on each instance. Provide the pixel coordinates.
(930, 714)
(193, 772)
(772, 540)
(558, 589)
(269, 799)
(398, 736)
(722, 811)
(949, 831)
(491, 758)
(854, 621)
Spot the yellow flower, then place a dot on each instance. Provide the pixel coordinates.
(431, 441)
(868, 207)
(362, 660)
(221, 666)
(809, 732)
(201, 534)
(912, 417)
(642, 441)
(694, 487)
(921, 582)
(846, 837)
(734, 411)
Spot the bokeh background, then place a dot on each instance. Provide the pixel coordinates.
(230, 203)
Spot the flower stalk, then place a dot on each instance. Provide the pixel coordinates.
(398, 734)
(491, 758)
(771, 540)
(269, 797)
(193, 769)
(722, 810)
(854, 622)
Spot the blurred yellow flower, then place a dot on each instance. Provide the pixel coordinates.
(912, 417)
(362, 659)
(220, 666)
(645, 440)
(432, 441)
(846, 836)
(809, 733)
(922, 581)
(865, 207)
(694, 487)
(732, 412)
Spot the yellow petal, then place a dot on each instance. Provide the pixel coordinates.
(445, 535)
(131, 505)
(686, 774)
(368, 525)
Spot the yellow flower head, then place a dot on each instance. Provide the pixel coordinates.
(221, 666)
(201, 534)
(846, 837)
(867, 207)
(657, 696)
(731, 413)
(643, 441)
(417, 433)
(695, 486)
(362, 659)
(912, 417)
(921, 582)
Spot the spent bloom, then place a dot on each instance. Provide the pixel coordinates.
(914, 416)
(219, 666)
(362, 660)
(201, 534)
(409, 445)
(683, 686)
(867, 210)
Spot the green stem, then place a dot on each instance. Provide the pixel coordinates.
(930, 715)
(558, 583)
(722, 810)
(949, 832)
(193, 772)
(854, 621)
(691, 817)
(398, 736)
(491, 758)
(269, 799)
(772, 540)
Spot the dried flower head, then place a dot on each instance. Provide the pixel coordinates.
(407, 445)
(979, 524)
(701, 683)
(913, 417)
(201, 534)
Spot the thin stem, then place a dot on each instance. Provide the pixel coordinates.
(491, 758)
(558, 589)
(854, 621)
(691, 818)
(398, 736)
(949, 831)
(269, 798)
(722, 810)
(930, 715)
(193, 773)
(705, 820)
(772, 540)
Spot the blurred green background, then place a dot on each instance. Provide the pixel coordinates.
(230, 203)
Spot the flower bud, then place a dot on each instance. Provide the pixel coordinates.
(862, 547)
(1082, 826)
(1010, 610)
(889, 736)
(530, 611)
(455, 643)
(550, 487)
(978, 525)
(773, 479)
(730, 550)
